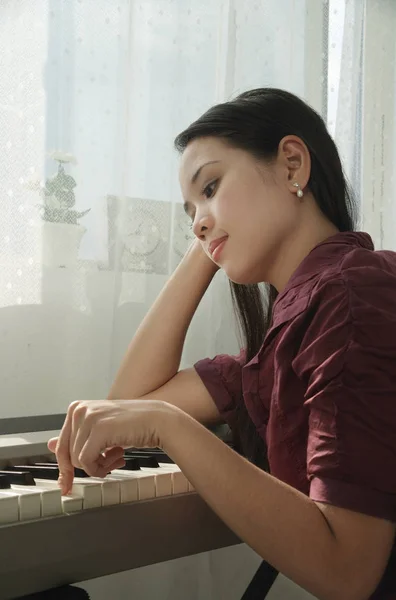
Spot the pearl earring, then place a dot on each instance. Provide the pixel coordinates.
(300, 193)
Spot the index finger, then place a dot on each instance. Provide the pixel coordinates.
(66, 469)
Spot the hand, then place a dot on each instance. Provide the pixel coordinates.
(197, 248)
(95, 433)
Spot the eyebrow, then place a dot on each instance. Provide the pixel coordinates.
(194, 178)
(198, 171)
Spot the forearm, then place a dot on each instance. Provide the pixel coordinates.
(281, 524)
(154, 354)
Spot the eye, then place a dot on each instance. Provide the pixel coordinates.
(210, 189)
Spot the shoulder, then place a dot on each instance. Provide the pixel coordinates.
(364, 280)
(349, 325)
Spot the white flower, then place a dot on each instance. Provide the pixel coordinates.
(64, 157)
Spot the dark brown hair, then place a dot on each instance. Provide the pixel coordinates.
(256, 121)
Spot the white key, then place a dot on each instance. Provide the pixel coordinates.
(146, 482)
(110, 490)
(179, 480)
(29, 502)
(89, 491)
(72, 503)
(129, 489)
(50, 499)
(107, 492)
(163, 481)
(9, 507)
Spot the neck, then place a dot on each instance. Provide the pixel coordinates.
(312, 231)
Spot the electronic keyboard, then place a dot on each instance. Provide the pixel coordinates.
(145, 513)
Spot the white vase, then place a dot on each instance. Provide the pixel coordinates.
(61, 243)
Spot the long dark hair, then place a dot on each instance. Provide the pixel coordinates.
(256, 121)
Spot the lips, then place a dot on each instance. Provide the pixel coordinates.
(216, 243)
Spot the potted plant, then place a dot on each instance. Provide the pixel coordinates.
(62, 233)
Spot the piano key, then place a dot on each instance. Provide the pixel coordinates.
(121, 491)
(18, 477)
(129, 488)
(46, 470)
(9, 507)
(145, 481)
(50, 498)
(77, 471)
(159, 454)
(29, 502)
(72, 503)
(131, 464)
(90, 492)
(179, 480)
(110, 491)
(4, 482)
(39, 472)
(163, 481)
(144, 460)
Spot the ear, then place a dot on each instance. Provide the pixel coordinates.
(295, 160)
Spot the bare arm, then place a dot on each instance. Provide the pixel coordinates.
(150, 367)
(186, 391)
(334, 553)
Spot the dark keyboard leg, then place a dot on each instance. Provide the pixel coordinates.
(261, 582)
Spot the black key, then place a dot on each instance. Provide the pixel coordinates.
(144, 460)
(159, 454)
(131, 464)
(4, 482)
(51, 473)
(18, 477)
(142, 450)
(163, 458)
(77, 471)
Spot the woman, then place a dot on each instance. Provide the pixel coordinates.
(313, 390)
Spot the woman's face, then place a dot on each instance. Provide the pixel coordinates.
(252, 205)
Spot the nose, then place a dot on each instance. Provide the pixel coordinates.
(203, 223)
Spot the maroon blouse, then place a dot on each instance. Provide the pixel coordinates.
(322, 389)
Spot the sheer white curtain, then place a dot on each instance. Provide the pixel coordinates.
(111, 83)
(364, 108)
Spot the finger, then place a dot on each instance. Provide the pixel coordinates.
(66, 470)
(78, 435)
(103, 470)
(111, 465)
(52, 443)
(117, 464)
(112, 454)
(84, 433)
(91, 454)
